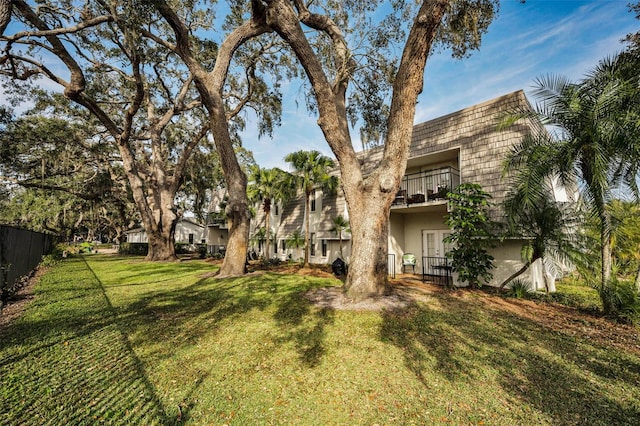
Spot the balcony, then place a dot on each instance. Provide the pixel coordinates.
(427, 186)
(216, 219)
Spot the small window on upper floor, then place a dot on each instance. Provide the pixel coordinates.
(313, 200)
(276, 209)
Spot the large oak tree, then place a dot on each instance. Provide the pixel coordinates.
(335, 60)
(115, 60)
(320, 39)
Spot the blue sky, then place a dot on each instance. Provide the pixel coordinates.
(526, 41)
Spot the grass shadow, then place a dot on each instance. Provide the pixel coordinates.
(65, 361)
(568, 380)
(167, 321)
(305, 326)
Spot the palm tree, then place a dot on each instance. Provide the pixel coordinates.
(311, 170)
(268, 186)
(259, 237)
(296, 240)
(549, 227)
(340, 225)
(594, 144)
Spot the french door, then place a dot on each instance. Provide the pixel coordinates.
(433, 244)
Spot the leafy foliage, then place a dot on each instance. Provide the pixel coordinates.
(269, 186)
(595, 147)
(472, 233)
(520, 288)
(621, 300)
(340, 226)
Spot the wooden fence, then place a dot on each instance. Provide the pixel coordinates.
(20, 252)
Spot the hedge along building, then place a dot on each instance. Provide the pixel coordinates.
(462, 147)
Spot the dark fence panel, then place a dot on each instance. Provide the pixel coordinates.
(436, 270)
(20, 252)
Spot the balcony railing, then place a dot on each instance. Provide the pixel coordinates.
(428, 185)
(216, 220)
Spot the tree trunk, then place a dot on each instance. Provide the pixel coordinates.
(605, 236)
(368, 199)
(368, 266)
(161, 226)
(236, 254)
(156, 207)
(237, 208)
(516, 274)
(161, 247)
(5, 14)
(210, 87)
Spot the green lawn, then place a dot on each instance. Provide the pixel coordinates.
(574, 292)
(115, 340)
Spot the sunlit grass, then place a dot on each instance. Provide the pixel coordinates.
(577, 293)
(119, 340)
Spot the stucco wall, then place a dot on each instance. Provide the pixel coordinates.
(184, 228)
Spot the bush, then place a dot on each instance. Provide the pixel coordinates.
(471, 234)
(274, 261)
(134, 249)
(520, 288)
(183, 248)
(621, 301)
(202, 250)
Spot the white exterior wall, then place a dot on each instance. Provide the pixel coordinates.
(184, 228)
(138, 236)
(217, 236)
(508, 261)
(405, 234)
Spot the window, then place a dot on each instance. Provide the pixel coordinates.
(313, 200)
(276, 211)
(284, 245)
(324, 248)
(190, 238)
(312, 244)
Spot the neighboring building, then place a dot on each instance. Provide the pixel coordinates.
(290, 217)
(187, 232)
(465, 146)
(217, 232)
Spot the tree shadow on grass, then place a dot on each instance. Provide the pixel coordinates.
(305, 326)
(567, 379)
(167, 320)
(88, 345)
(66, 362)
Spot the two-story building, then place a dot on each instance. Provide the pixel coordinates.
(464, 146)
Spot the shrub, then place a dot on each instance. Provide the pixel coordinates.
(135, 249)
(471, 234)
(183, 248)
(621, 301)
(202, 250)
(520, 288)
